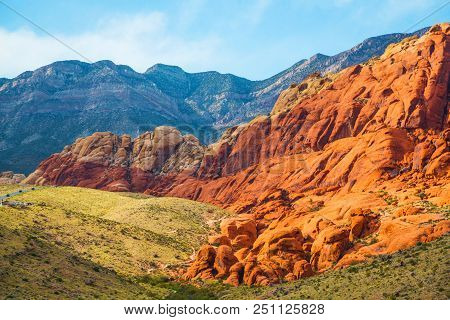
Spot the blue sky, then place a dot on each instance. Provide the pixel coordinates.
(254, 39)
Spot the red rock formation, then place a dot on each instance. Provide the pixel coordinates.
(224, 260)
(201, 268)
(9, 177)
(315, 182)
(302, 269)
(109, 162)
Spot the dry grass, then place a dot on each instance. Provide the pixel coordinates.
(75, 230)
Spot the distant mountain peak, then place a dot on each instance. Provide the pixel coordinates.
(107, 63)
(160, 67)
(318, 56)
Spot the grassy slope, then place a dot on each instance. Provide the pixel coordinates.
(9, 188)
(422, 272)
(83, 243)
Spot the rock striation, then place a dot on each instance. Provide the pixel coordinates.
(326, 180)
(120, 163)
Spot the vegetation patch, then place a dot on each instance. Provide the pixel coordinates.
(72, 243)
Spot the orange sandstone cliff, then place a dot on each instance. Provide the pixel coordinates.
(346, 166)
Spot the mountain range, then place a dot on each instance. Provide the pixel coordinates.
(41, 111)
(346, 166)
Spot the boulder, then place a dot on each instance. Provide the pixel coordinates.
(407, 211)
(218, 240)
(236, 274)
(302, 269)
(202, 267)
(224, 260)
(236, 226)
(329, 247)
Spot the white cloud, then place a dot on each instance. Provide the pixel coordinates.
(138, 41)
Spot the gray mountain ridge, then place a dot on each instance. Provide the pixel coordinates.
(41, 111)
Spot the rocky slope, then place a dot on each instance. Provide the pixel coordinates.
(102, 96)
(9, 177)
(346, 166)
(119, 163)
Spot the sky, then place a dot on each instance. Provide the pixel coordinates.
(254, 39)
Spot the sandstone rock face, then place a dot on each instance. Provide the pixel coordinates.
(236, 274)
(201, 268)
(328, 247)
(9, 177)
(317, 184)
(302, 269)
(115, 163)
(224, 260)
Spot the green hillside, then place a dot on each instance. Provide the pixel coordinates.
(82, 243)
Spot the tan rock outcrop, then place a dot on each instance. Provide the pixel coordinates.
(202, 266)
(224, 260)
(9, 177)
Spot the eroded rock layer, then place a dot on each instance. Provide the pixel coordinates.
(346, 166)
(118, 163)
(9, 177)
